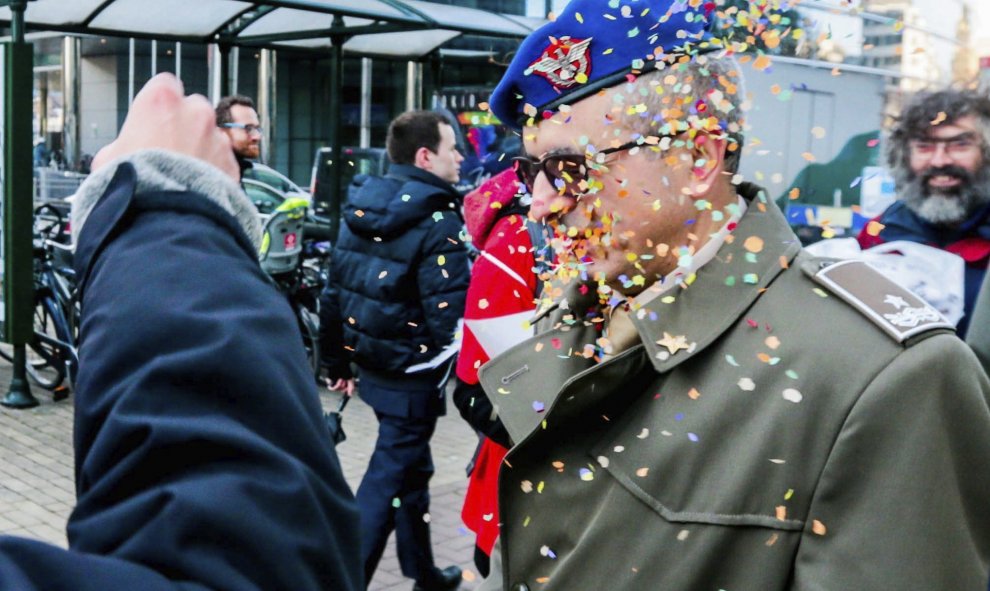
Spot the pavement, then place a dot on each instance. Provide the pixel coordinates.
(37, 491)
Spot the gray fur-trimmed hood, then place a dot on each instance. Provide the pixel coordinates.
(162, 170)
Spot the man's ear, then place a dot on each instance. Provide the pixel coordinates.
(709, 163)
(424, 159)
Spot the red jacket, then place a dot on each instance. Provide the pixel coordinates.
(500, 298)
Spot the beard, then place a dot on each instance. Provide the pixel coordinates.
(944, 206)
(248, 151)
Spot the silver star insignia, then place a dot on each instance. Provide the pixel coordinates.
(895, 301)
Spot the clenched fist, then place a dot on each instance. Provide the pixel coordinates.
(163, 118)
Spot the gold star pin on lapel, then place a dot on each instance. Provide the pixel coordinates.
(672, 343)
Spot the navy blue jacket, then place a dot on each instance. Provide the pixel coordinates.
(970, 240)
(202, 459)
(398, 279)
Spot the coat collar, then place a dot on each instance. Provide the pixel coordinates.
(525, 383)
(678, 325)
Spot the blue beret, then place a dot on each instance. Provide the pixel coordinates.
(595, 44)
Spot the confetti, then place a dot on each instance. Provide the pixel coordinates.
(753, 244)
(746, 385)
(792, 395)
(642, 472)
(873, 228)
(818, 527)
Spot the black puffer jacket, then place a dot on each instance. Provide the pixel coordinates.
(398, 277)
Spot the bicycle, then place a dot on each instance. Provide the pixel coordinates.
(52, 356)
(295, 265)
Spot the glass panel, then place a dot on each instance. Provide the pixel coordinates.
(530, 23)
(457, 17)
(56, 12)
(174, 17)
(307, 43)
(372, 9)
(285, 20)
(410, 44)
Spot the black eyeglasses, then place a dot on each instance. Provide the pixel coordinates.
(568, 173)
(247, 127)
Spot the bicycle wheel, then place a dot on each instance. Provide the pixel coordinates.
(45, 358)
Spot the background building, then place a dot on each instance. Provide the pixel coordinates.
(291, 87)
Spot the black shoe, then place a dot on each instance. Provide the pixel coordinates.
(447, 579)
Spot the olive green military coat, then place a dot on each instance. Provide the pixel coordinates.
(785, 423)
(978, 335)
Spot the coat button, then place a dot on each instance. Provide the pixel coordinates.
(520, 587)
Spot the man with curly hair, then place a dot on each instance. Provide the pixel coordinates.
(938, 154)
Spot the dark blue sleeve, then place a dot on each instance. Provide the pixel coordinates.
(202, 460)
(443, 274)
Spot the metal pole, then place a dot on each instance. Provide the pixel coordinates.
(130, 72)
(336, 117)
(412, 86)
(224, 69)
(154, 57)
(18, 281)
(366, 66)
(71, 66)
(213, 62)
(235, 70)
(178, 60)
(266, 103)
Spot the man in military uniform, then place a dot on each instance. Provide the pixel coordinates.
(708, 407)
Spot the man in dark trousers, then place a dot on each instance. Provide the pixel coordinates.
(237, 117)
(202, 458)
(398, 280)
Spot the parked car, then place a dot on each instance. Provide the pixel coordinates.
(267, 199)
(275, 179)
(357, 161)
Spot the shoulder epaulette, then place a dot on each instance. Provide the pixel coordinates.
(896, 310)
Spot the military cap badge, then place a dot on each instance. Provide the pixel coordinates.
(564, 63)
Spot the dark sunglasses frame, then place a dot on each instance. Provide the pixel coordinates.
(571, 169)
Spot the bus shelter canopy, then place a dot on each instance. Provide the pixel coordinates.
(393, 28)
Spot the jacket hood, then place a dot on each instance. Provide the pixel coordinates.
(387, 206)
(486, 204)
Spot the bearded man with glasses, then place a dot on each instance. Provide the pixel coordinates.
(938, 153)
(705, 405)
(237, 117)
